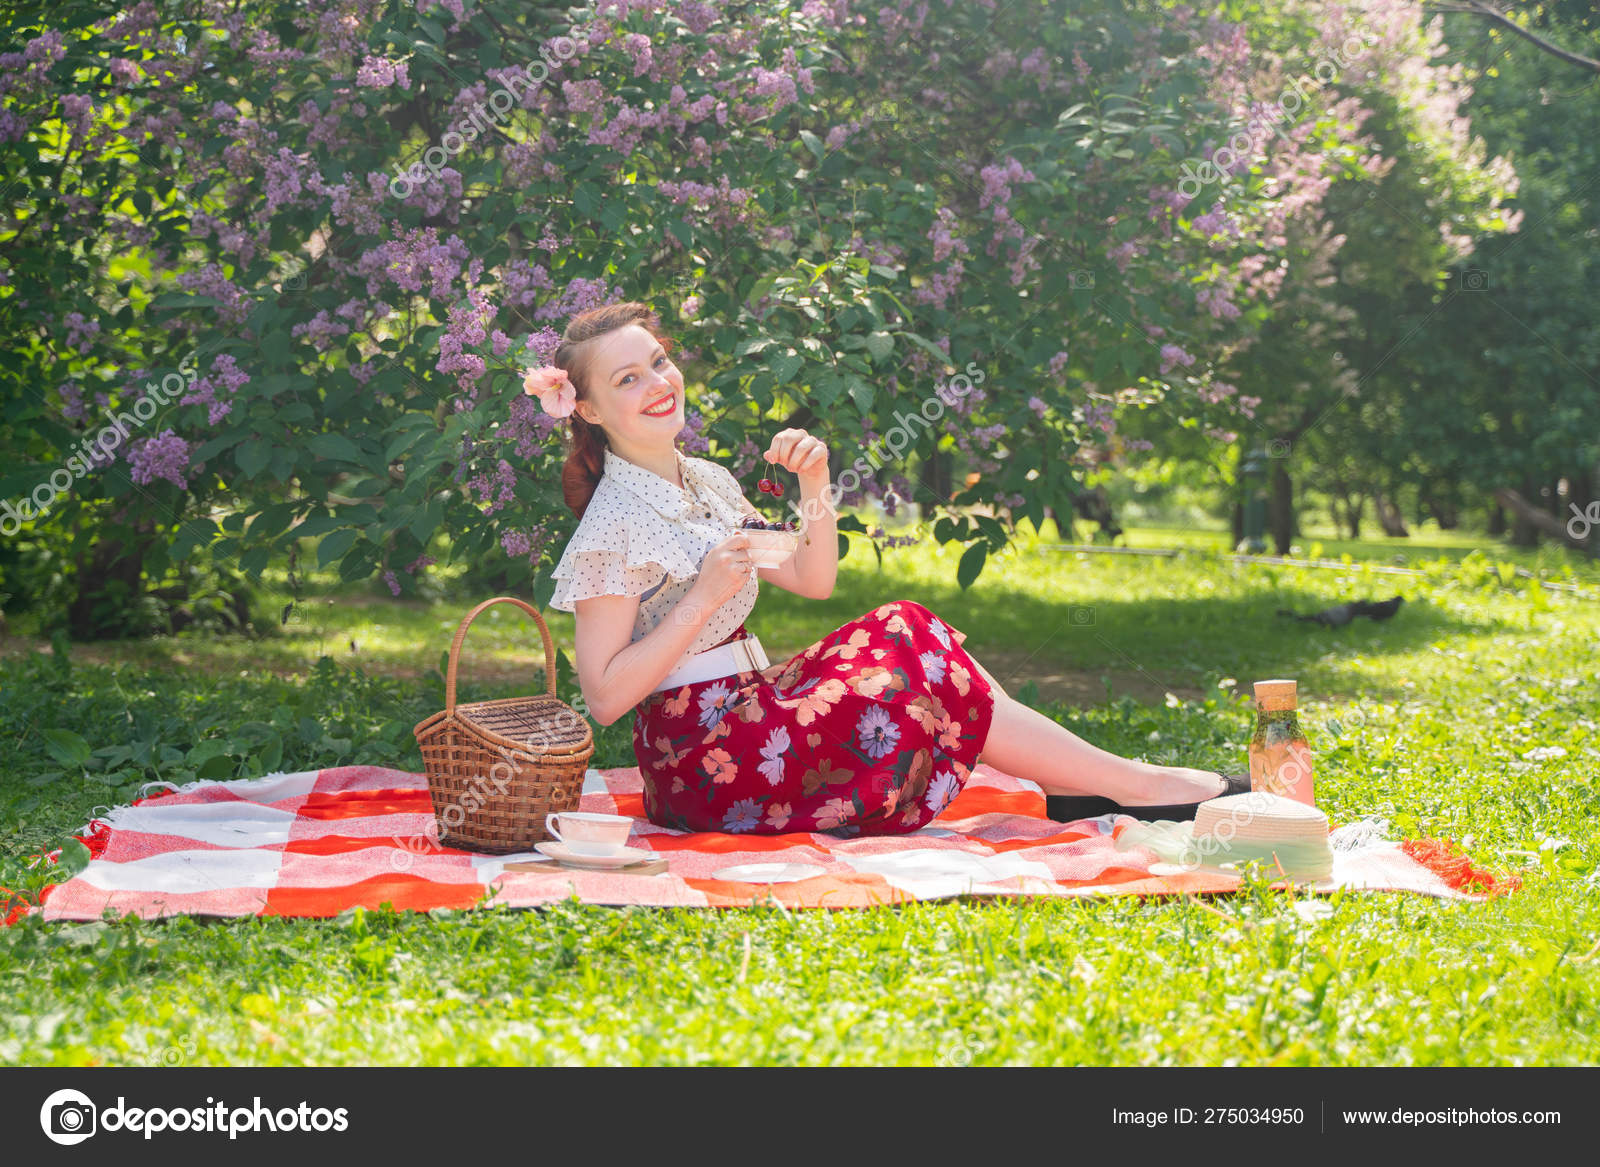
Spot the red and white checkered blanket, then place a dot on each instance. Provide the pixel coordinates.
(318, 842)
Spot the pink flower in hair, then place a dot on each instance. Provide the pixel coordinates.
(553, 388)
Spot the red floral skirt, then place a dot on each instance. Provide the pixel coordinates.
(870, 731)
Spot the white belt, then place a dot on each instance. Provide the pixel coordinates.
(737, 656)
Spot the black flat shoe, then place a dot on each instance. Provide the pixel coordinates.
(1066, 808)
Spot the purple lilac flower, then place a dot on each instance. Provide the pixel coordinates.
(580, 295)
(467, 329)
(80, 331)
(163, 456)
(1172, 355)
(72, 406)
(1099, 415)
(226, 375)
(379, 73)
(322, 329)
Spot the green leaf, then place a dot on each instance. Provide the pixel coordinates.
(66, 747)
(428, 520)
(971, 565)
(861, 392)
(927, 346)
(813, 143)
(274, 520)
(215, 446)
(785, 366)
(411, 430)
(74, 858)
(334, 447)
(270, 756)
(254, 561)
(317, 523)
(880, 345)
(253, 457)
(334, 546)
(220, 766)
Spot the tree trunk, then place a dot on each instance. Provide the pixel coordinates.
(1497, 519)
(933, 476)
(1443, 513)
(1524, 524)
(1280, 508)
(109, 586)
(1523, 531)
(1095, 506)
(1236, 523)
(1353, 515)
(1389, 517)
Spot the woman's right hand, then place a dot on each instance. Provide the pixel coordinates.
(724, 572)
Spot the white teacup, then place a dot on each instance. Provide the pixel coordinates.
(587, 833)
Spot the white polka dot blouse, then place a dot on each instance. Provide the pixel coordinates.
(643, 536)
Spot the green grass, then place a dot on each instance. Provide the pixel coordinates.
(1428, 720)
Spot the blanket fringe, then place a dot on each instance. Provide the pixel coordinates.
(96, 837)
(1450, 863)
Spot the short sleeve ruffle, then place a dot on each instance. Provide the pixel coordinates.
(618, 550)
(602, 573)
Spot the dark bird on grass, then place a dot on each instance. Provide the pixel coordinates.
(1341, 614)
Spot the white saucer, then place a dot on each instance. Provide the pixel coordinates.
(621, 857)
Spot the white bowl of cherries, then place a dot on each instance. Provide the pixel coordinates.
(771, 543)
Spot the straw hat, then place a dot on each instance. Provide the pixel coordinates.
(1276, 830)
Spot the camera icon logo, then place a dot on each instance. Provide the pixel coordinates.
(1474, 279)
(1080, 615)
(68, 1117)
(1080, 279)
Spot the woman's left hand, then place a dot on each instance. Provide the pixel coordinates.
(799, 453)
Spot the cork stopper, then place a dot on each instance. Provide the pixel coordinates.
(1276, 694)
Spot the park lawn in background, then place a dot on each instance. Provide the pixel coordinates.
(1472, 715)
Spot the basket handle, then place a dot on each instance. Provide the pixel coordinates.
(461, 635)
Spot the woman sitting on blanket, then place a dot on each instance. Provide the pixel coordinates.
(871, 730)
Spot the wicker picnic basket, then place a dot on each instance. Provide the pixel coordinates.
(496, 768)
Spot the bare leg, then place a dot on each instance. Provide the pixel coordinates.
(1027, 744)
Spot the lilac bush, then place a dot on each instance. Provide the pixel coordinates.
(370, 218)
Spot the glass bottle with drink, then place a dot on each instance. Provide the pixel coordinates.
(1280, 756)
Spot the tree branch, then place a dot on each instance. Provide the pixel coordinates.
(1495, 16)
(1538, 517)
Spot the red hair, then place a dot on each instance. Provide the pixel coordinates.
(586, 445)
